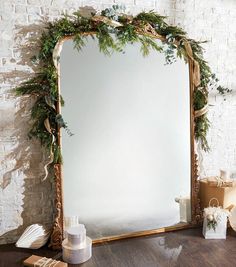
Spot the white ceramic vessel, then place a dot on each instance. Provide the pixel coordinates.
(77, 247)
(184, 208)
(76, 236)
(71, 221)
(225, 174)
(79, 254)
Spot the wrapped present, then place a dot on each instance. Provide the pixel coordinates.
(37, 261)
(226, 195)
(215, 221)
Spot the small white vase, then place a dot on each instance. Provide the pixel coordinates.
(224, 174)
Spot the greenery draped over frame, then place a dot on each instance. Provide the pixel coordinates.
(113, 29)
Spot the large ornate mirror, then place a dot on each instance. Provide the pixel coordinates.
(129, 158)
(130, 167)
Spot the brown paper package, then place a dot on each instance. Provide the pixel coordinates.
(225, 195)
(33, 259)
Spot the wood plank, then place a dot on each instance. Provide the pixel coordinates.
(184, 248)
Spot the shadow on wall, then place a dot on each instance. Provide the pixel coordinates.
(24, 159)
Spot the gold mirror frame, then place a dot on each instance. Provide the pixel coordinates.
(58, 226)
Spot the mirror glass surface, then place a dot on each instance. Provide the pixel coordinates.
(129, 156)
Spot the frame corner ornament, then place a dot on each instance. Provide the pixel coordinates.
(196, 208)
(57, 231)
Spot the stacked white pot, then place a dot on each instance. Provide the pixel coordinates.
(77, 247)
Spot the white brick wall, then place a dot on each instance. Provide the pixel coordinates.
(214, 21)
(24, 199)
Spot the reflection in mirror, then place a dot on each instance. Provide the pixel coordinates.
(127, 166)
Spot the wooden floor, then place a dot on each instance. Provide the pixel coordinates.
(183, 248)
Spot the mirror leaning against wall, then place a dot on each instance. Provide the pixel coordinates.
(130, 165)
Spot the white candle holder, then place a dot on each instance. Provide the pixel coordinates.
(77, 247)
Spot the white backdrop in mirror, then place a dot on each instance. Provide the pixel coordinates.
(129, 156)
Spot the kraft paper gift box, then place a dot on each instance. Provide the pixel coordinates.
(226, 195)
(34, 260)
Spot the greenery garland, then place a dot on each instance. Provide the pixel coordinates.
(104, 26)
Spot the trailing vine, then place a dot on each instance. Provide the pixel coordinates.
(114, 30)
